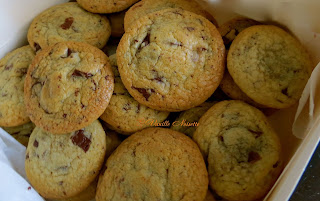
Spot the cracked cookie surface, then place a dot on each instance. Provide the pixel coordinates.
(68, 22)
(269, 65)
(154, 164)
(61, 166)
(145, 7)
(13, 70)
(68, 86)
(171, 60)
(124, 114)
(106, 6)
(241, 149)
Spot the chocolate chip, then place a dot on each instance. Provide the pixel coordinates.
(285, 92)
(67, 23)
(177, 13)
(37, 47)
(69, 52)
(76, 93)
(145, 92)
(35, 143)
(190, 28)
(145, 42)
(127, 107)
(256, 133)
(221, 138)
(81, 140)
(175, 44)
(77, 73)
(138, 109)
(8, 67)
(64, 115)
(253, 157)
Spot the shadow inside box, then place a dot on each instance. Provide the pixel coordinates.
(308, 188)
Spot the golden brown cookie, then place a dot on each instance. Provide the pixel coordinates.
(154, 164)
(124, 114)
(62, 166)
(68, 86)
(21, 133)
(13, 70)
(145, 7)
(269, 65)
(171, 60)
(241, 149)
(106, 6)
(68, 22)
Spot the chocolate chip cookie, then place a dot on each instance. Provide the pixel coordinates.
(21, 133)
(191, 116)
(269, 65)
(145, 7)
(68, 22)
(61, 166)
(171, 60)
(68, 86)
(241, 149)
(154, 164)
(124, 114)
(229, 31)
(13, 70)
(106, 6)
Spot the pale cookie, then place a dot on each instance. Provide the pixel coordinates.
(171, 60)
(117, 23)
(68, 86)
(231, 89)
(21, 133)
(269, 65)
(124, 114)
(106, 6)
(229, 31)
(188, 120)
(13, 70)
(154, 164)
(87, 194)
(61, 166)
(145, 7)
(68, 22)
(241, 150)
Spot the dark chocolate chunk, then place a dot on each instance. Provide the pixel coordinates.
(175, 44)
(256, 133)
(77, 73)
(67, 23)
(81, 140)
(253, 157)
(35, 143)
(145, 92)
(37, 47)
(8, 67)
(285, 92)
(64, 115)
(145, 42)
(190, 28)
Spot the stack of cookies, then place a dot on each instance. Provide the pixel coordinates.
(167, 62)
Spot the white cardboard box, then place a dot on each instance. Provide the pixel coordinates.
(300, 16)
